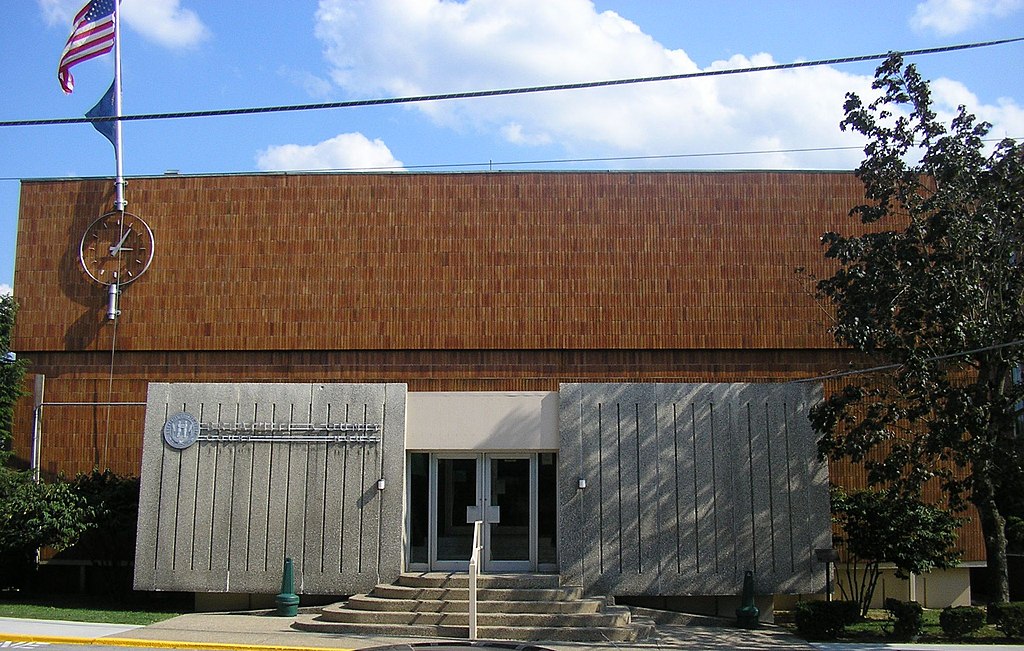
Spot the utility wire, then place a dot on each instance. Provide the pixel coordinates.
(889, 367)
(514, 163)
(501, 92)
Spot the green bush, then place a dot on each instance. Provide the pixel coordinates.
(113, 502)
(1008, 618)
(109, 542)
(959, 622)
(908, 618)
(825, 620)
(33, 515)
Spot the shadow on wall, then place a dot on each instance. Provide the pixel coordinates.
(74, 282)
(689, 486)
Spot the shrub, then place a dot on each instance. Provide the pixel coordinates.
(961, 621)
(908, 618)
(114, 504)
(33, 515)
(825, 619)
(1008, 618)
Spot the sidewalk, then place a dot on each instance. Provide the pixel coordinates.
(261, 632)
(58, 628)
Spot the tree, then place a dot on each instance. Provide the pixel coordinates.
(887, 527)
(12, 372)
(932, 286)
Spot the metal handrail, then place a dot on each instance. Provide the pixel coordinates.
(474, 570)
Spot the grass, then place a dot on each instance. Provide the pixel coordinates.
(88, 609)
(877, 627)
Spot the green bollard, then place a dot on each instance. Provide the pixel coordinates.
(747, 614)
(287, 601)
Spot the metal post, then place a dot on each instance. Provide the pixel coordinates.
(119, 201)
(748, 613)
(287, 601)
(828, 556)
(112, 293)
(37, 425)
(474, 570)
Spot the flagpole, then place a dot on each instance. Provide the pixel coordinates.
(119, 201)
(113, 309)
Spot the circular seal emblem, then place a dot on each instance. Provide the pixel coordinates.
(181, 430)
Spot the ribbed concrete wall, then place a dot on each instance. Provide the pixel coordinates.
(221, 516)
(688, 486)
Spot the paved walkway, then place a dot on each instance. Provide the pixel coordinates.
(258, 632)
(252, 631)
(55, 627)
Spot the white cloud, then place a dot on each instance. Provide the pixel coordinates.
(57, 11)
(6, 289)
(406, 47)
(313, 85)
(948, 17)
(163, 21)
(1006, 117)
(346, 151)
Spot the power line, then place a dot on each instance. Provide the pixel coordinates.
(889, 367)
(517, 163)
(602, 159)
(502, 92)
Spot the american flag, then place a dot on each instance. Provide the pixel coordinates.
(92, 34)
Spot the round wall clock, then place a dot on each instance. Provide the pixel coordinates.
(117, 248)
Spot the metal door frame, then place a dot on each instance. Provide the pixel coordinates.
(483, 485)
(432, 522)
(529, 565)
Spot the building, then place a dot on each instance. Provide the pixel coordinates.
(604, 367)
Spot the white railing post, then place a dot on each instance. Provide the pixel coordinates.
(474, 569)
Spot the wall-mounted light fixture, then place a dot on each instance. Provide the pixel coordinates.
(381, 483)
(583, 483)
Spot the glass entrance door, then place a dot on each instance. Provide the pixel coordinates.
(448, 492)
(456, 489)
(510, 515)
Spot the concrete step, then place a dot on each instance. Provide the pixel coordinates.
(485, 594)
(510, 607)
(461, 580)
(611, 617)
(367, 602)
(531, 633)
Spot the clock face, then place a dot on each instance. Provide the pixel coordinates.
(117, 248)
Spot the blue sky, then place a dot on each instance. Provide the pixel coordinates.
(181, 55)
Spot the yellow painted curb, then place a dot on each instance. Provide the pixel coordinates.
(158, 644)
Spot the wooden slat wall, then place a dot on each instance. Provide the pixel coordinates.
(77, 438)
(438, 261)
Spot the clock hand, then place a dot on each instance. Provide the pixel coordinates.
(116, 249)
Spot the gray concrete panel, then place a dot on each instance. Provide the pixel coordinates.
(609, 492)
(391, 515)
(695, 484)
(685, 487)
(665, 530)
(572, 529)
(731, 544)
(780, 476)
(222, 515)
(649, 484)
(705, 513)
